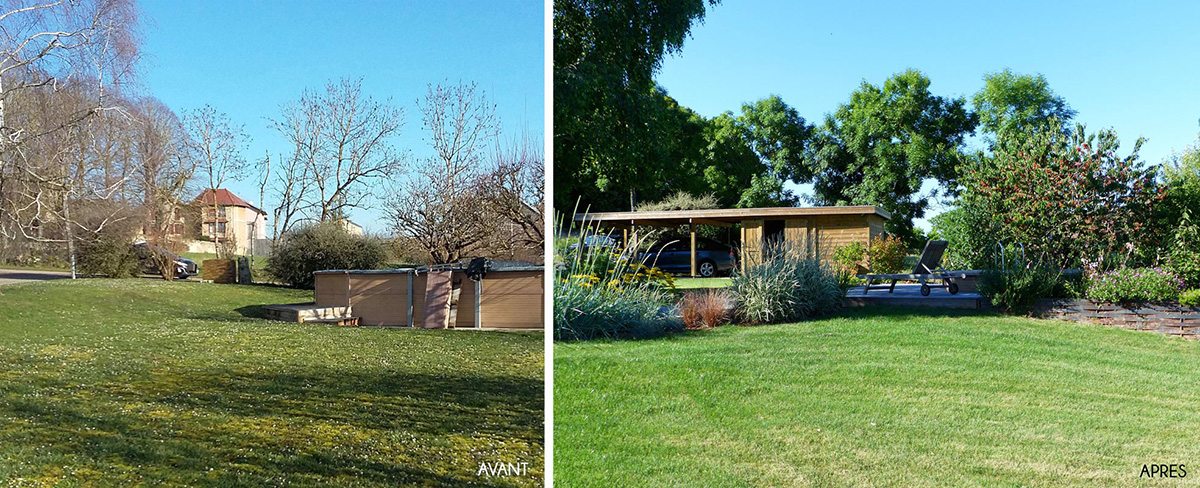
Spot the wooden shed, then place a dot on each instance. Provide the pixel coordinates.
(817, 231)
(507, 298)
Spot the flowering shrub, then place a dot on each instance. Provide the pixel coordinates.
(850, 258)
(1135, 284)
(1064, 193)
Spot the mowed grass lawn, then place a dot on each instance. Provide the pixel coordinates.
(879, 399)
(123, 382)
(700, 283)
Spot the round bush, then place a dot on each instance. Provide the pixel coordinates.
(1190, 298)
(320, 247)
(107, 255)
(1134, 285)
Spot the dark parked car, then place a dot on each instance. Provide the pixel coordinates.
(184, 267)
(712, 257)
(597, 240)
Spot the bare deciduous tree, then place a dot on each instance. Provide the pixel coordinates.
(62, 64)
(215, 146)
(514, 193)
(163, 176)
(340, 141)
(437, 204)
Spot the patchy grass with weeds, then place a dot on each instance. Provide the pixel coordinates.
(123, 382)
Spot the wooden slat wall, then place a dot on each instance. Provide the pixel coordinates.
(466, 301)
(512, 299)
(752, 241)
(839, 230)
(330, 290)
(379, 299)
(875, 224)
(795, 231)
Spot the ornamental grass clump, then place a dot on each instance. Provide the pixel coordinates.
(600, 292)
(705, 309)
(785, 286)
(1135, 285)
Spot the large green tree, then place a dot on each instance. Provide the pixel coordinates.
(605, 55)
(1010, 102)
(879, 147)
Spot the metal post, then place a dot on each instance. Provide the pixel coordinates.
(410, 297)
(478, 299)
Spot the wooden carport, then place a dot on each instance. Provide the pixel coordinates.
(816, 230)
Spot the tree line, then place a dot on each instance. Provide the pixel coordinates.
(84, 153)
(621, 140)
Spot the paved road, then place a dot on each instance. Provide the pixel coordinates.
(11, 276)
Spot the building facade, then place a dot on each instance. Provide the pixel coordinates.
(226, 218)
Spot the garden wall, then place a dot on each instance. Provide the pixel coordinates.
(1168, 318)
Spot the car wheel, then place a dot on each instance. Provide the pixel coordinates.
(707, 269)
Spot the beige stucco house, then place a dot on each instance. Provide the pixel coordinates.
(227, 218)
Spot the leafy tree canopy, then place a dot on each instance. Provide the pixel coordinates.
(1010, 101)
(879, 147)
(605, 55)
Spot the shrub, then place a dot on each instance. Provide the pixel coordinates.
(1016, 288)
(107, 255)
(969, 231)
(1184, 256)
(850, 258)
(785, 286)
(323, 246)
(1190, 298)
(1065, 193)
(705, 309)
(887, 255)
(1135, 284)
(600, 293)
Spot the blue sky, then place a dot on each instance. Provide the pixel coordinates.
(1131, 66)
(247, 57)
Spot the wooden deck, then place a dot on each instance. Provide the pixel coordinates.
(909, 295)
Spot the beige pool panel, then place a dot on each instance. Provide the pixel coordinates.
(507, 299)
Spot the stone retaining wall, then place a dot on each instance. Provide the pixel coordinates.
(1169, 318)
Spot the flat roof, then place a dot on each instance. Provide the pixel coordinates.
(724, 216)
(423, 269)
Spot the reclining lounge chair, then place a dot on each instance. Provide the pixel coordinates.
(925, 271)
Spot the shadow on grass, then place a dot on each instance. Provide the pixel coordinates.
(251, 311)
(250, 428)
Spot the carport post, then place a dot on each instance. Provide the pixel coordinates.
(692, 228)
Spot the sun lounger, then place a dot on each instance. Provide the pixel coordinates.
(927, 270)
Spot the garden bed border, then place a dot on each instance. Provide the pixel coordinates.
(1166, 317)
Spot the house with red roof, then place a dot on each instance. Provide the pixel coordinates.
(226, 218)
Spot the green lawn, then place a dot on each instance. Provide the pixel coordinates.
(122, 382)
(878, 399)
(696, 283)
